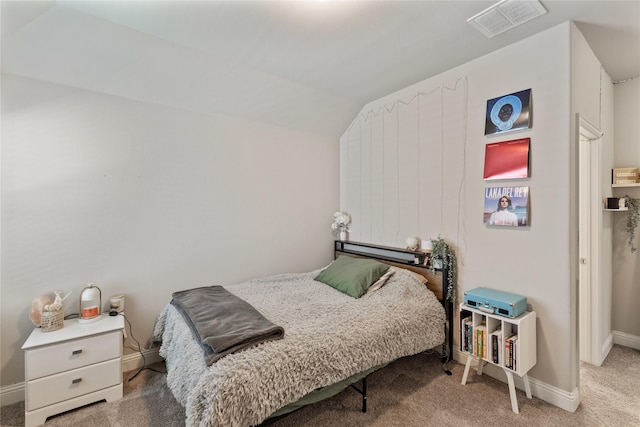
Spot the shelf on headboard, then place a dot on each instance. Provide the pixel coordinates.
(402, 256)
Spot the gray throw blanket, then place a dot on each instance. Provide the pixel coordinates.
(222, 322)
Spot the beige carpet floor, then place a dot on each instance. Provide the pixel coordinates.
(413, 391)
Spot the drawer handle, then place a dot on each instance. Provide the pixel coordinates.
(76, 381)
(76, 352)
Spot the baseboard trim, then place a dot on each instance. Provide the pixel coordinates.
(136, 360)
(626, 340)
(12, 394)
(15, 393)
(568, 401)
(606, 348)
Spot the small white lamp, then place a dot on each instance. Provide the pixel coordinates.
(412, 244)
(90, 304)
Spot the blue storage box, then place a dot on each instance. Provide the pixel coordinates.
(496, 302)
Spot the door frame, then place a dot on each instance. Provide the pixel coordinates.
(589, 143)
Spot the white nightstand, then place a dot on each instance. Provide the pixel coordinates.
(71, 367)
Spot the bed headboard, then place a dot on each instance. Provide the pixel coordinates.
(413, 261)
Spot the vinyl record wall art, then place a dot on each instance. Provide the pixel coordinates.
(508, 113)
(507, 159)
(506, 206)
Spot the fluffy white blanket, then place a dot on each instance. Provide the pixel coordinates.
(329, 336)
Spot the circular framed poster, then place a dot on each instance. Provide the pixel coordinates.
(508, 113)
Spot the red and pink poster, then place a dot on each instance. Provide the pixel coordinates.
(507, 159)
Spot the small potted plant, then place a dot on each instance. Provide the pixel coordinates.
(443, 256)
(632, 220)
(341, 222)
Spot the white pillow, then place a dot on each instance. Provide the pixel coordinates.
(381, 281)
(421, 278)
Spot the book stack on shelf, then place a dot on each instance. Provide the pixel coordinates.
(511, 352)
(496, 344)
(489, 345)
(466, 327)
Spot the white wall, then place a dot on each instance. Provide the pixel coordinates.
(626, 265)
(533, 261)
(147, 200)
(540, 261)
(607, 115)
(394, 156)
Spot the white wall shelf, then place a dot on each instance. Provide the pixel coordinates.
(637, 184)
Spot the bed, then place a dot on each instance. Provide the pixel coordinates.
(331, 340)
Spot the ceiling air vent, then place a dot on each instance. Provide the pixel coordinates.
(506, 15)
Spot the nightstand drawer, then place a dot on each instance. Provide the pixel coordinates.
(70, 384)
(68, 355)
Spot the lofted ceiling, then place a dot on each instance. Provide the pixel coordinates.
(304, 65)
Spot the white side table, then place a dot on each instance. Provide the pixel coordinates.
(524, 354)
(71, 367)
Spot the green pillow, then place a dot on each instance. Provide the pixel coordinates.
(353, 276)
